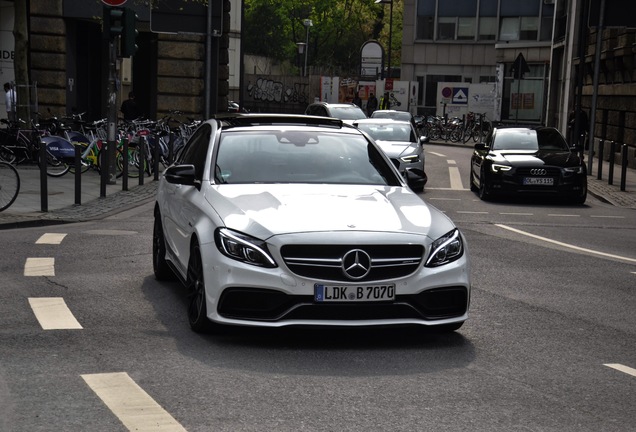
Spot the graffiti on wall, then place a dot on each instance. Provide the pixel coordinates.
(267, 90)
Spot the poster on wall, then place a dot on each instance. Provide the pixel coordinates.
(458, 99)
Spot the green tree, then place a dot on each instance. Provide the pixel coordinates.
(272, 28)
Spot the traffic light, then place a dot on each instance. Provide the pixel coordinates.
(129, 33)
(113, 22)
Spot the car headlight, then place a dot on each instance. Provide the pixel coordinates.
(446, 249)
(244, 248)
(574, 170)
(500, 168)
(410, 159)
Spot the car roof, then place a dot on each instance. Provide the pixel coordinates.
(382, 120)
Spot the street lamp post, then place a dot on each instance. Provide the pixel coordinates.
(388, 71)
(307, 23)
(301, 50)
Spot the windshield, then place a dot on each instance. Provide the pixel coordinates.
(347, 113)
(388, 132)
(529, 139)
(300, 156)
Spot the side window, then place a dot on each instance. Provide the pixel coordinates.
(322, 111)
(196, 150)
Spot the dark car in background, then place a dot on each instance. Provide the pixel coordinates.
(528, 161)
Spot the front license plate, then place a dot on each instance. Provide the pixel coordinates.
(546, 181)
(354, 293)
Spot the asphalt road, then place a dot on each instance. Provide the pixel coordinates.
(550, 344)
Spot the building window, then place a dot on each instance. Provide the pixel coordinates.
(529, 28)
(509, 29)
(446, 28)
(487, 28)
(466, 28)
(425, 19)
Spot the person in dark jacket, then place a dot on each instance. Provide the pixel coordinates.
(130, 109)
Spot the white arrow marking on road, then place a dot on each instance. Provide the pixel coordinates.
(53, 314)
(622, 368)
(51, 238)
(566, 244)
(130, 403)
(39, 267)
(455, 178)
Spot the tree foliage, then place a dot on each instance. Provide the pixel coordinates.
(272, 28)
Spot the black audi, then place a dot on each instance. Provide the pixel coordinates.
(528, 160)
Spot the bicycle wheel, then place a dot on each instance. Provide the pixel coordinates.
(133, 163)
(84, 164)
(55, 167)
(9, 185)
(7, 155)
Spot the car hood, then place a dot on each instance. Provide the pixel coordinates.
(537, 158)
(271, 209)
(397, 148)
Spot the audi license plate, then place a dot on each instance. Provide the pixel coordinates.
(354, 293)
(545, 181)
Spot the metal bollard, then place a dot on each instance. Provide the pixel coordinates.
(601, 145)
(155, 159)
(124, 181)
(78, 175)
(44, 191)
(142, 159)
(610, 174)
(624, 167)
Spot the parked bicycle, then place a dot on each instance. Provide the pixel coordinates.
(9, 185)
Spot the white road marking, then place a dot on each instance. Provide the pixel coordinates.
(130, 403)
(39, 267)
(436, 154)
(563, 215)
(517, 214)
(455, 178)
(566, 244)
(622, 368)
(608, 217)
(51, 238)
(471, 212)
(451, 162)
(53, 314)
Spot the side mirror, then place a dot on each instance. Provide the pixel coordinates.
(181, 174)
(481, 146)
(423, 139)
(416, 178)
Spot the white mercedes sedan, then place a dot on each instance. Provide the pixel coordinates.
(282, 220)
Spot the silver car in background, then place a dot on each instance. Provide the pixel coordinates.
(399, 140)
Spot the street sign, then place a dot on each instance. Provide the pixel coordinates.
(519, 67)
(113, 2)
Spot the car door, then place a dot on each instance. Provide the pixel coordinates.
(183, 202)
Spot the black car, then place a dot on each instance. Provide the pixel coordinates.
(528, 160)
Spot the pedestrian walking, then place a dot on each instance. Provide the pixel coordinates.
(372, 104)
(10, 101)
(357, 100)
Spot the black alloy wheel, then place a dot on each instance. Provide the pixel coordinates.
(484, 190)
(197, 309)
(473, 186)
(162, 271)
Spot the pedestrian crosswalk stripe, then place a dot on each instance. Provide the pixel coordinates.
(130, 403)
(51, 238)
(39, 267)
(53, 314)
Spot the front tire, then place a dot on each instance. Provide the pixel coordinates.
(197, 308)
(484, 189)
(162, 270)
